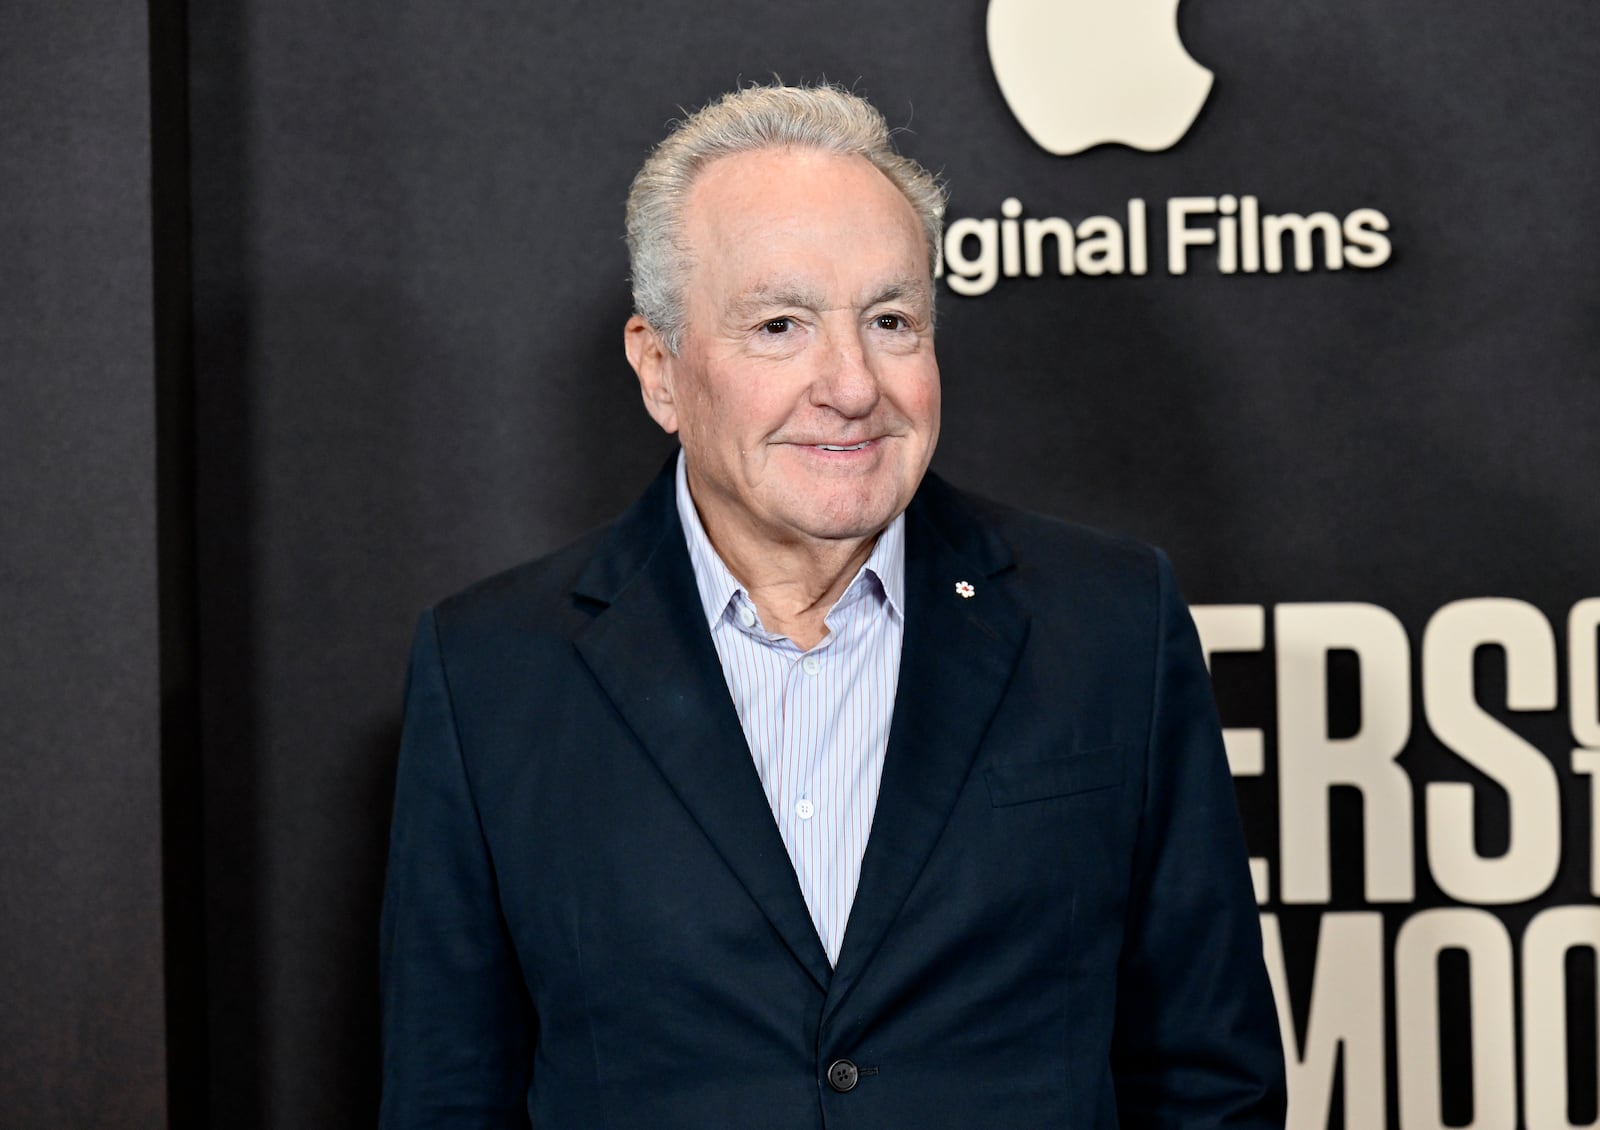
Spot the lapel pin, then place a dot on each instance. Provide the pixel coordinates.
(964, 590)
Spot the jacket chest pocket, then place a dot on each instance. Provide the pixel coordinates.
(1082, 771)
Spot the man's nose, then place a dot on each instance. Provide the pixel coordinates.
(847, 381)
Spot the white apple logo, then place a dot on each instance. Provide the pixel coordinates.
(1078, 73)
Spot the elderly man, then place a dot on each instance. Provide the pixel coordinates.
(813, 792)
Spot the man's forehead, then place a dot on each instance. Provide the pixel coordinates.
(769, 185)
(799, 228)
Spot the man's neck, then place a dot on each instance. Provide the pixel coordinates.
(793, 584)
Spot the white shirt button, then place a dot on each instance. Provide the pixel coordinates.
(747, 615)
(805, 809)
(811, 665)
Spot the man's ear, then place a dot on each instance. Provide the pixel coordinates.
(650, 359)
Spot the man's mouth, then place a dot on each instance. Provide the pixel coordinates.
(842, 447)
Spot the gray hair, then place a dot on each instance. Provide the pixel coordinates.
(825, 118)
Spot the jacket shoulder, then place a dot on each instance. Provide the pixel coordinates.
(537, 595)
(560, 592)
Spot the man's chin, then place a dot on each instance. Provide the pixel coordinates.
(852, 525)
(836, 512)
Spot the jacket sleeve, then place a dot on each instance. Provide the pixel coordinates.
(1196, 1042)
(457, 1027)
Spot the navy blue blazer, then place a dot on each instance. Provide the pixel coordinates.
(590, 921)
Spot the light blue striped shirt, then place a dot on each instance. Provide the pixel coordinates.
(817, 721)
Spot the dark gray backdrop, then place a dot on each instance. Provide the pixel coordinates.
(81, 985)
(407, 289)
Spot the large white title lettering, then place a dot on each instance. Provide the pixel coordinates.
(1348, 1025)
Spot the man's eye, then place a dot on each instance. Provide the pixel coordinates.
(777, 326)
(890, 322)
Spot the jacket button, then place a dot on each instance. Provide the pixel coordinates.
(843, 1075)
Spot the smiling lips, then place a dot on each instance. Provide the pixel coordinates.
(843, 447)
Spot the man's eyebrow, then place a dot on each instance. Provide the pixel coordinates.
(900, 290)
(762, 297)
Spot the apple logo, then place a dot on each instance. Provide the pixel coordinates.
(1078, 73)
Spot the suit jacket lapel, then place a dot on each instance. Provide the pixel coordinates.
(651, 652)
(955, 664)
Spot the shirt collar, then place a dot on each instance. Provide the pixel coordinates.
(718, 586)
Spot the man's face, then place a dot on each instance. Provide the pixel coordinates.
(805, 392)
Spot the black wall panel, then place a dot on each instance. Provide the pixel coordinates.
(81, 981)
